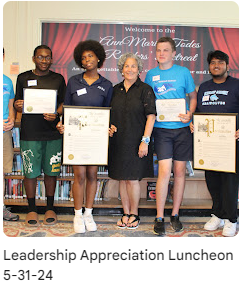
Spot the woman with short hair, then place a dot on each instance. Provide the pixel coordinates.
(131, 154)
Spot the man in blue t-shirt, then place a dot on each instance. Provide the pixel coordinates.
(172, 140)
(221, 95)
(8, 122)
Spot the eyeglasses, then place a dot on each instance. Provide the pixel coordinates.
(41, 58)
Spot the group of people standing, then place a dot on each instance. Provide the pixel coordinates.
(132, 126)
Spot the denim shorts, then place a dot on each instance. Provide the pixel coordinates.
(176, 144)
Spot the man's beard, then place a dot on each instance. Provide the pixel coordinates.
(220, 75)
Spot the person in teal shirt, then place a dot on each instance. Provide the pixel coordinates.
(172, 140)
(8, 123)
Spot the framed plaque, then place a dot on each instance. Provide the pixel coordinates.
(169, 109)
(86, 135)
(39, 101)
(214, 142)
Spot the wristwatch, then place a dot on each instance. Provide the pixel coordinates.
(145, 140)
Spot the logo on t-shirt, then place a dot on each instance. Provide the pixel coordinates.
(163, 88)
(5, 89)
(213, 97)
(101, 88)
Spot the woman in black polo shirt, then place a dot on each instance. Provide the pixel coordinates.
(87, 89)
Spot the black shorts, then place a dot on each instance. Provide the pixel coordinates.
(173, 143)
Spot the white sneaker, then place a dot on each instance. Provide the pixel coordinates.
(79, 224)
(229, 228)
(90, 223)
(214, 223)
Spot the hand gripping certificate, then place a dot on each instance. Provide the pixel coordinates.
(86, 135)
(39, 101)
(169, 109)
(214, 142)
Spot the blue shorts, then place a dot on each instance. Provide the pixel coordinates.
(173, 144)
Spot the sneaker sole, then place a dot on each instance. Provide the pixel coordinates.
(177, 230)
(159, 234)
(90, 230)
(213, 229)
(79, 232)
(228, 235)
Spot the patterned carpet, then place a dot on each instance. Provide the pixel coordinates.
(193, 227)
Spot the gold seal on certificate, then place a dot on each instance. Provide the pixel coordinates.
(71, 156)
(201, 162)
(30, 108)
(169, 109)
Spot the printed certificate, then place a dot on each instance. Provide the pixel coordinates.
(86, 135)
(39, 101)
(169, 109)
(214, 142)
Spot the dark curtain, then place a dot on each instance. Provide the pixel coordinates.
(226, 40)
(62, 39)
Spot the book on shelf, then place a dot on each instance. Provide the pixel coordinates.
(65, 170)
(155, 165)
(16, 137)
(189, 168)
(17, 168)
(102, 170)
(151, 191)
(100, 191)
(14, 189)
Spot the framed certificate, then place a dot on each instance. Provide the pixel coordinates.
(86, 135)
(169, 109)
(39, 101)
(214, 142)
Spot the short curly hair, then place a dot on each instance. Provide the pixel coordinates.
(123, 59)
(89, 45)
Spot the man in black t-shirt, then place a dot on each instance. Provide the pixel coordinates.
(221, 95)
(40, 141)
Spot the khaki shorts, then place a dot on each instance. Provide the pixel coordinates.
(7, 152)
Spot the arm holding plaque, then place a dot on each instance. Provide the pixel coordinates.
(60, 127)
(112, 130)
(185, 118)
(18, 105)
(237, 135)
(53, 116)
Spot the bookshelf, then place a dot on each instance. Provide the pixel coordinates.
(196, 195)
